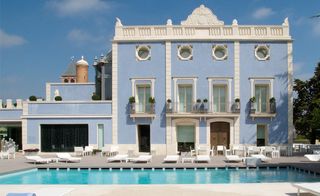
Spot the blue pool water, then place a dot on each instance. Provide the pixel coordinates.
(169, 176)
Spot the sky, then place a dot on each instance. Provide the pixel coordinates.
(39, 37)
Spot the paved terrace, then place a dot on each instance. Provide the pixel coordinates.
(96, 161)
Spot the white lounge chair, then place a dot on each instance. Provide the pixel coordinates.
(233, 158)
(262, 157)
(105, 151)
(118, 157)
(78, 151)
(88, 150)
(114, 150)
(313, 157)
(313, 188)
(202, 158)
(171, 158)
(38, 159)
(67, 157)
(142, 158)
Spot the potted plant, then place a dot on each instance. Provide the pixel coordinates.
(205, 105)
(132, 100)
(31, 151)
(169, 105)
(273, 107)
(252, 105)
(237, 105)
(152, 101)
(198, 105)
(58, 98)
(95, 97)
(96, 151)
(32, 98)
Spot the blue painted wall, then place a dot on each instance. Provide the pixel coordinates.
(33, 127)
(202, 66)
(129, 67)
(10, 114)
(276, 67)
(73, 91)
(70, 108)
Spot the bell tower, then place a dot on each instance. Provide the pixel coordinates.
(82, 71)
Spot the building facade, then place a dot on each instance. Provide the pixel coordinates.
(174, 87)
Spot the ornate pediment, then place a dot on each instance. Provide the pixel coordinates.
(202, 16)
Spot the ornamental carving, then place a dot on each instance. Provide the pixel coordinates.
(202, 16)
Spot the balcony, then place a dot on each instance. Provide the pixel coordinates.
(141, 110)
(270, 112)
(202, 109)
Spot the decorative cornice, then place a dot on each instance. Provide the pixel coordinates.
(202, 16)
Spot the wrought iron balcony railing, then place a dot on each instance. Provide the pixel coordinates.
(202, 107)
(140, 108)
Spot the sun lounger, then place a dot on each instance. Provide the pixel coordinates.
(313, 157)
(313, 188)
(262, 157)
(118, 157)
(38, 159)
(142, 158)
(78, 151)
(171, 158)
(67, 157)
(21, 194)
(202, 158)
(233, 158)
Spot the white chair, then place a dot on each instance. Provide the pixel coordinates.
(253, 150)
(118, 157)
(66, 157)
(9, 104)
(88, 150)
(142, 158)
(114, 150)
(233, 158)
(202, 158)
(19, 103)
(268, 150)
(262, 157)
(38, 159)
(211, 152)
(1, 104)
(171, 158)
(221, 148)
(313, 187)
(313, 157)
(12, 152)
(192, 152)
(238, 150)
(105, 151)
(78, 150)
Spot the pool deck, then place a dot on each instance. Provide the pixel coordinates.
(20, 163)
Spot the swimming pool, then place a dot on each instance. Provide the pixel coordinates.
(157, 176)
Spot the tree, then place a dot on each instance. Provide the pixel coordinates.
(306, 107)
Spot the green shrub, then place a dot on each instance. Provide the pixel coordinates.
(58, 98)
(32, 98)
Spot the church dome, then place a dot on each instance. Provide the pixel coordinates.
(82, 62)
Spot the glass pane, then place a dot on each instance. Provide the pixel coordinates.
(222, 99)
(260, 132)
(182, 99)
(185, 98)
(188, 98)
(215, 99)
(185, 133)
(100, 136)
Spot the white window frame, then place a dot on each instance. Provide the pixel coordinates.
(270, 81)
(180, 47)
(134, 85)
(224, 47)
(139, 47)
(257, 47)
(176, 87)
(228, 83)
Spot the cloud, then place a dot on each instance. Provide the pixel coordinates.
(77, 7)
(262, 13)
(7, 40)
(80, 36)
(316, 28)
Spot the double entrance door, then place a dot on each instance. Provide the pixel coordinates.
(220, 134)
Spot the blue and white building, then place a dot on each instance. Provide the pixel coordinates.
(174, 87)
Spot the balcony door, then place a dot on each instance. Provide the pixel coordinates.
(219, 98)
(185, 98)
(143, 95)
(144, 138)
(262, 95)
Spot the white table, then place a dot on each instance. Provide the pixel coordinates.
(187, 159)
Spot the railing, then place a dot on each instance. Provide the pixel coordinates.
(271, 108)
(140, 108)
(202, 31)
(202, 107)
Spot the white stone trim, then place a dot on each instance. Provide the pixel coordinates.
(257, 47)
(114, 93)
(290, 94)
(67, 102)
(48, 91)
(134, 85)
(139, 47)
(175, 87)
(228, 81)
(220, 46)
(270, 85)
(236, 69)
(184, 121)
(189, 47)
(65, 116)
(24, 133)
(232, 130)
(168, 70)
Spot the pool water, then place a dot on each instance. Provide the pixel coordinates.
(168, 176)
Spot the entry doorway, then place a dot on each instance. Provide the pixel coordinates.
(220, 134)
(144, 138)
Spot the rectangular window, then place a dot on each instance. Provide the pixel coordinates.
(142, 97)
(185, 93)
(262, 98)
(219, 98)
(185, 137)
(261, 135)
(100, 136)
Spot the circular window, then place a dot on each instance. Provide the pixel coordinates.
(220, 52)
(262, 53)
(143, 53)
(185, 52)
